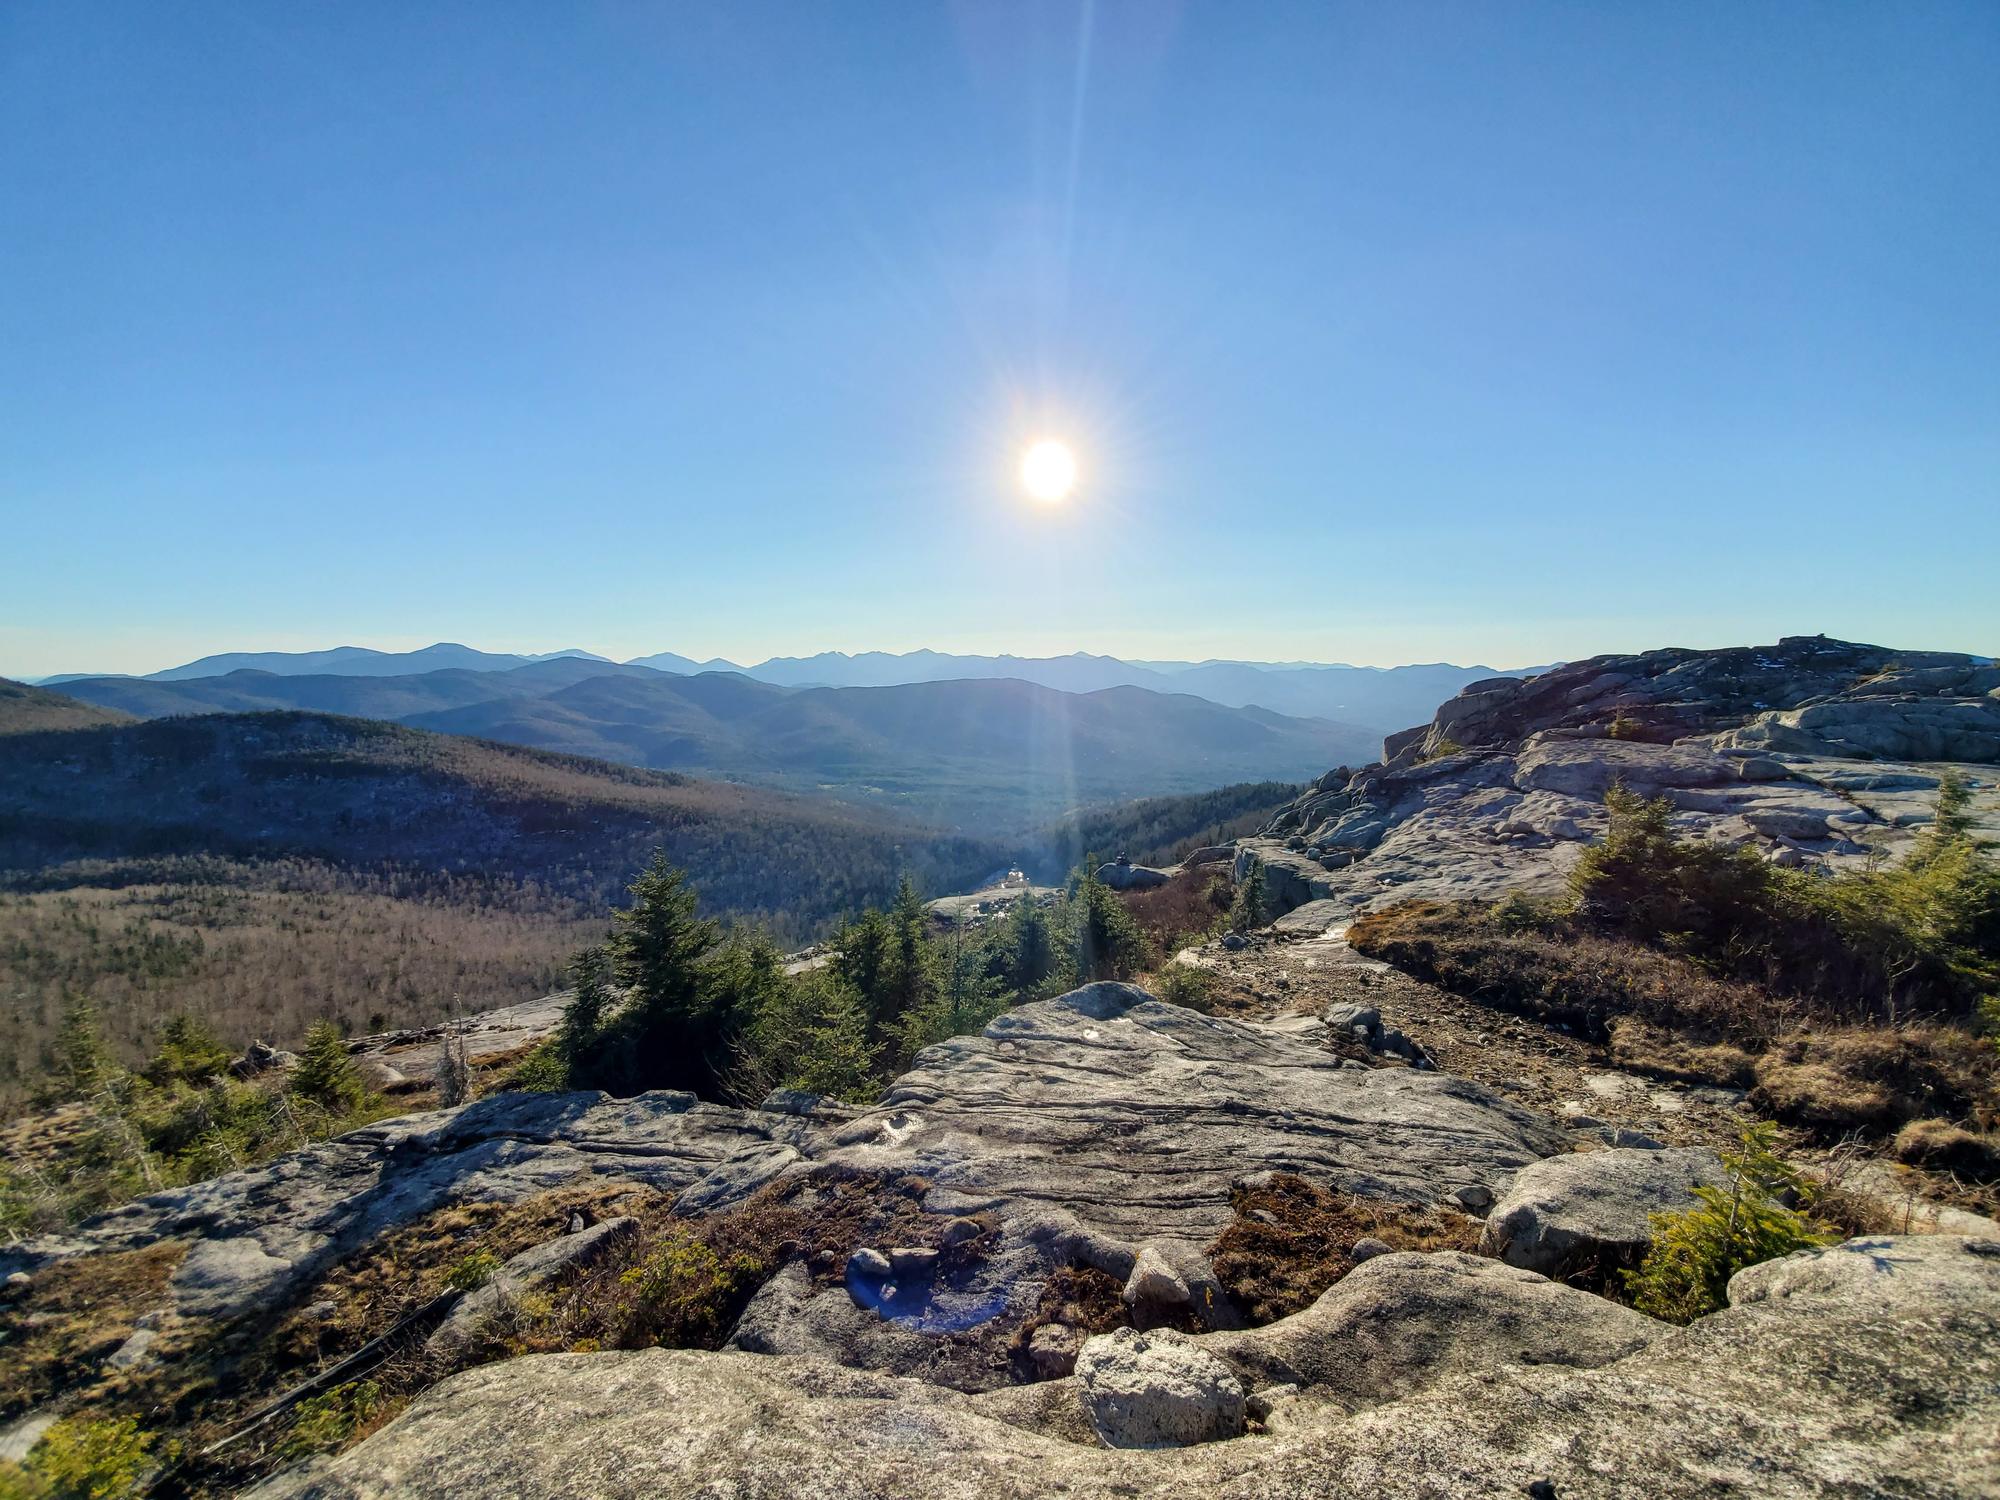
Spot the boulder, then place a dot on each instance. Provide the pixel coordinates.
(1570, 1213)
(866, 1264)
(1103, 1121)
(1052, 1350)
(1123, 876)
(1158, 1390)
(1402, 1322)
(1155, 1282)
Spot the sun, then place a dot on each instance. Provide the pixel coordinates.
(1048, 471)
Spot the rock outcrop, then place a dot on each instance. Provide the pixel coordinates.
(1806, 1385)
(260, 1234)
(1812, 750)
(1105, 1128)
(1098, 1127)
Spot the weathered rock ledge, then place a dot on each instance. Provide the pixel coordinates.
(1093, 1126)
(1870, 1368)
(1812, 751)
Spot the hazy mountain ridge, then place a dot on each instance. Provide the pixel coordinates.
(1379, 699)
(993, 753)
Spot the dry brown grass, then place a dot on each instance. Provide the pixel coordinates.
(1875, 1079)
(1663, 1014)
(1649, 1049)
(1576, 979)
(1944, 1147)
(1291, 1240)
(75, 1313)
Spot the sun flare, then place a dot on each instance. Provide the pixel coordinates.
(1048, 471)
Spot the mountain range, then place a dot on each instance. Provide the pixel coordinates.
(999, 754)
(1378, 699)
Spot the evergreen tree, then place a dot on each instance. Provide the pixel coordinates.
(188, 1052)
(326, 1075)
(1247, 911)
(1032, 953)
(809, 1033)
(1109, 944)
(580, 1035)
(666, 1035)
(80, 1069)
(913, 983)
(864, 957)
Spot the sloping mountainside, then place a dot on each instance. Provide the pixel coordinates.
(1161, 830)
(28, 710)
(262, 870)
(987, 754)
(376, 795)
(1814, 752)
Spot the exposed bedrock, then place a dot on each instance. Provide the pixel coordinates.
(1811, 751)
(1096, 1127)
(1872, 1367)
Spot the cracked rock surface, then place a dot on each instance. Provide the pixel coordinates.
(1810, 1383)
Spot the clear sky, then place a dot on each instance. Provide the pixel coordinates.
(1382, 332)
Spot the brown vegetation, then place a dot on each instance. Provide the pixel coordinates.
(1291, 1240)
(73, 1316)
(1665, 1014)
(1944, 1147)
(1189, 908)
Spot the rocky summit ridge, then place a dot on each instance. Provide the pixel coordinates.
(1108, 1135)
(1813, 750)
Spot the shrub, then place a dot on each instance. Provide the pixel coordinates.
(1190, 908)
(1644, 880)
(1108, 943)
(80, 1459)
(188, 1052)
(540, 1071)
(810, 1033)
(1920, 936)
(472, 1271)
(1247, 911)
(326, 1421)
(687, 1295)
(1685, 1274)
(1184, 984)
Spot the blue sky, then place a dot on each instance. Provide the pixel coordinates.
(1496, 332)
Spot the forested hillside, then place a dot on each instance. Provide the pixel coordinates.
(263, 869)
